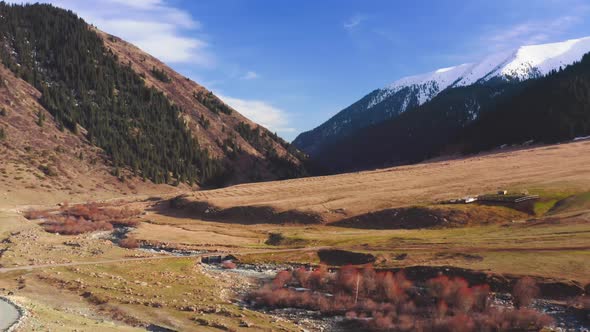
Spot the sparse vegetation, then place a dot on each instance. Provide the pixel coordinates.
(48, 170)
(36, 214)
(129, 243)
(214, 104)
(393, 302)
(84, 218)
(74, 226)
(161, 75)
(204, 122)
(40, 118)
(524, 292)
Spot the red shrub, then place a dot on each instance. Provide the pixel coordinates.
(301, 276)
(347, 280)
(34, 215)
(94, 212)
(369, 280)
(129, 243)
(392, 287)
(74, 226)
(441, 309)
(228, 265)
(458, 323)
(392, 303)
(481, 295)
(84, 218)
(319, 278)
(524, 292)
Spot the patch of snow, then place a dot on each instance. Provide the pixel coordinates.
(581, 138)
(522, 63)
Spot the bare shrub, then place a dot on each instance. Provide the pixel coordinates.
(75, 226)
(129, 243)
(228, 265)
(85, 218)
(524, 292)
(34, 215)
(388, 301)
(95, 212)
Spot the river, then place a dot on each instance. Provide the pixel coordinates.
(8, 315)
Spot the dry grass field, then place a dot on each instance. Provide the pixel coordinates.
(392, 214)
(557, 168)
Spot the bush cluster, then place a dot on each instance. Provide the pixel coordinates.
(84, 218)
(389, 301)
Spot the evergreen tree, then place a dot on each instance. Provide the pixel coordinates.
(82, 82)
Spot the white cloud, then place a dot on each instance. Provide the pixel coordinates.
(267, 115)
(531, 32)
(496, 38)
(155, 26)
(250, 75)
(354, 22)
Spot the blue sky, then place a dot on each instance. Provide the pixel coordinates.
(290, 65)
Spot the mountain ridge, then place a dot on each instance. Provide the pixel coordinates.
(471, 119)
(518, 64)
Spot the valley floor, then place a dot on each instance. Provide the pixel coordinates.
(89, 282)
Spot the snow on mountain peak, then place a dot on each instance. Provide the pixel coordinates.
(522, 63)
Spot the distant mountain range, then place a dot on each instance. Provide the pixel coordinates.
(424, 116)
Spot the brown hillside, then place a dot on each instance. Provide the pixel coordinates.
(252, 163)
(340, 197)
(38, 160)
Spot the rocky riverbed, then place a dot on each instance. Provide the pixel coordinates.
(247, 277)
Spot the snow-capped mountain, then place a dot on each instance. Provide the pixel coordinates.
(523, 63)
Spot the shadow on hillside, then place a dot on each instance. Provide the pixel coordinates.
(440, 216)
(183, 207)
(398, 218)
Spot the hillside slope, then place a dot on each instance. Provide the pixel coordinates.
(148, 119)
(40, 163)
(219, 128)
(342, 196)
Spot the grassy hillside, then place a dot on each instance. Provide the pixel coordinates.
(86, 86)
